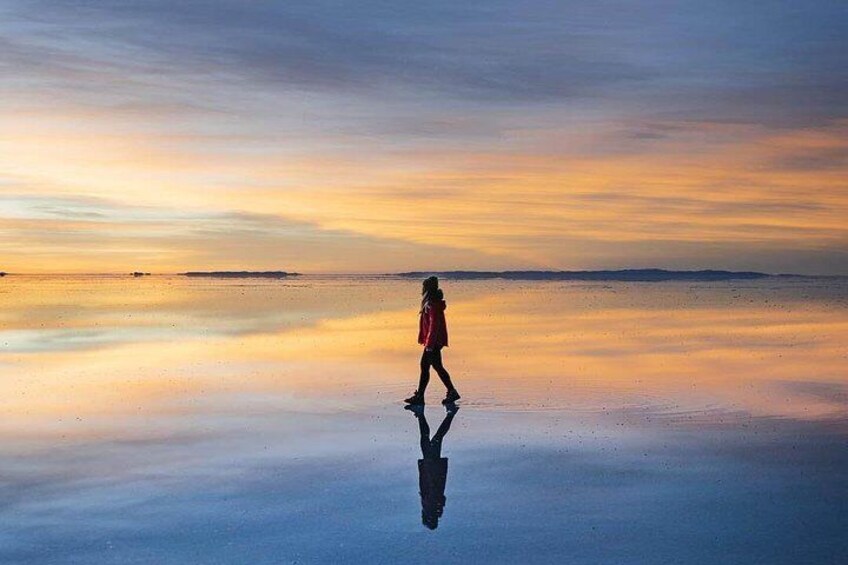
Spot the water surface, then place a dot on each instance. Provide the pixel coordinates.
(173, 420)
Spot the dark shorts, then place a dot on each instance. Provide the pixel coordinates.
(432, 357)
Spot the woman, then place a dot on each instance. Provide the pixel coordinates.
(433, 335)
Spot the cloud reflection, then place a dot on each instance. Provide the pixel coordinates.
(227, 420)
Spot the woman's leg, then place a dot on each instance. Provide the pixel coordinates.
(424, 429)
(436, 443)
(436, 361)
(424, 380)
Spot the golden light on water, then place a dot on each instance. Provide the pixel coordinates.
(120, 347)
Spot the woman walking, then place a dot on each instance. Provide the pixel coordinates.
(433, 335)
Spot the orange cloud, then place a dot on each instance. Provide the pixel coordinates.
(547, 199)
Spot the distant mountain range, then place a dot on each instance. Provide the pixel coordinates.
(633, 275)
(241, 274)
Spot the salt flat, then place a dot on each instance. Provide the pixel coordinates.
(172, 420)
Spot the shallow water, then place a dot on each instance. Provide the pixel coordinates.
(175, 420)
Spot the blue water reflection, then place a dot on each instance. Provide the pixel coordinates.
(285, 442)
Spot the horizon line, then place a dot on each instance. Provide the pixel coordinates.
(422, 272)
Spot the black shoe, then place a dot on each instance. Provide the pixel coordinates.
(416, 399)
(417, 409)
(451, 397)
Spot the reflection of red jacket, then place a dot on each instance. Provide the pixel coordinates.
(432, 328)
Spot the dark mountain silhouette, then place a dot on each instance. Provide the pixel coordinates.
(634, 275)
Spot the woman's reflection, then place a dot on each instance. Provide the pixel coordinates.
(432, 467)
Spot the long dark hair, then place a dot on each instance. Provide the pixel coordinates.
(430, 291)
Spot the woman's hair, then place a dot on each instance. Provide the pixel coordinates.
(430, 290)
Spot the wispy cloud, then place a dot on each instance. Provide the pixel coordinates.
(95, 235)
(498, 133)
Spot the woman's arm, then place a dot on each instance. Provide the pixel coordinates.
(431, 327)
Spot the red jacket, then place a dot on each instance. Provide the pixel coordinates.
(432, 328)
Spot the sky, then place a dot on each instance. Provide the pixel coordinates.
(374, 136)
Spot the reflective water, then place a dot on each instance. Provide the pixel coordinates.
(174, 420)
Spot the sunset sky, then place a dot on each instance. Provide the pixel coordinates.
(383, 136)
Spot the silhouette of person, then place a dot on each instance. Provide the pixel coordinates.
(432, 467)
(433, 335)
